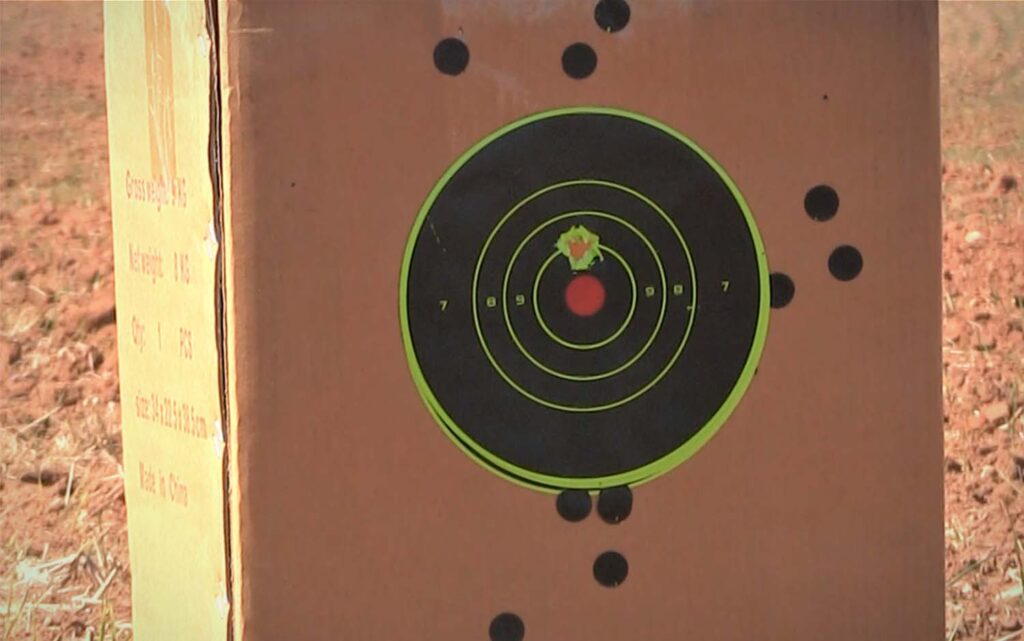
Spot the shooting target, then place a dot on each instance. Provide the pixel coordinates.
(584, 297)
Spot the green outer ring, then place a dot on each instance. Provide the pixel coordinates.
(584, 346)
(616, 370)
(546, 482)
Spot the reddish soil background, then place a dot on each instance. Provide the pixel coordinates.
(64, 570)
(982, 75)
(63, 546)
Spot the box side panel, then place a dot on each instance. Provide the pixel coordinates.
(158, 57)
(815, 512)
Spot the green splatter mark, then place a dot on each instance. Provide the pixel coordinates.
(581, 246)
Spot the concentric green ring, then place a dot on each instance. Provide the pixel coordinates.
(604, 341)
(476, 279)
(552, 483)
(590, 377)
(531, 357)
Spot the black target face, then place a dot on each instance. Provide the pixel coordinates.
(584, 299)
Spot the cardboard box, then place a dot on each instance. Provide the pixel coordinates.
(544, 320)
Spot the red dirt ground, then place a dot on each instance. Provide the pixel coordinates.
(983, 326)
(63, 561)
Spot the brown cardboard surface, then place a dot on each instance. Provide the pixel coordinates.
(816, 510)
(814, 513)
(158, 102)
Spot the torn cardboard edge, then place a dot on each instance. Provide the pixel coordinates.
(217, 224)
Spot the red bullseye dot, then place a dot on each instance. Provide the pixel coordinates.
(584, 295)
